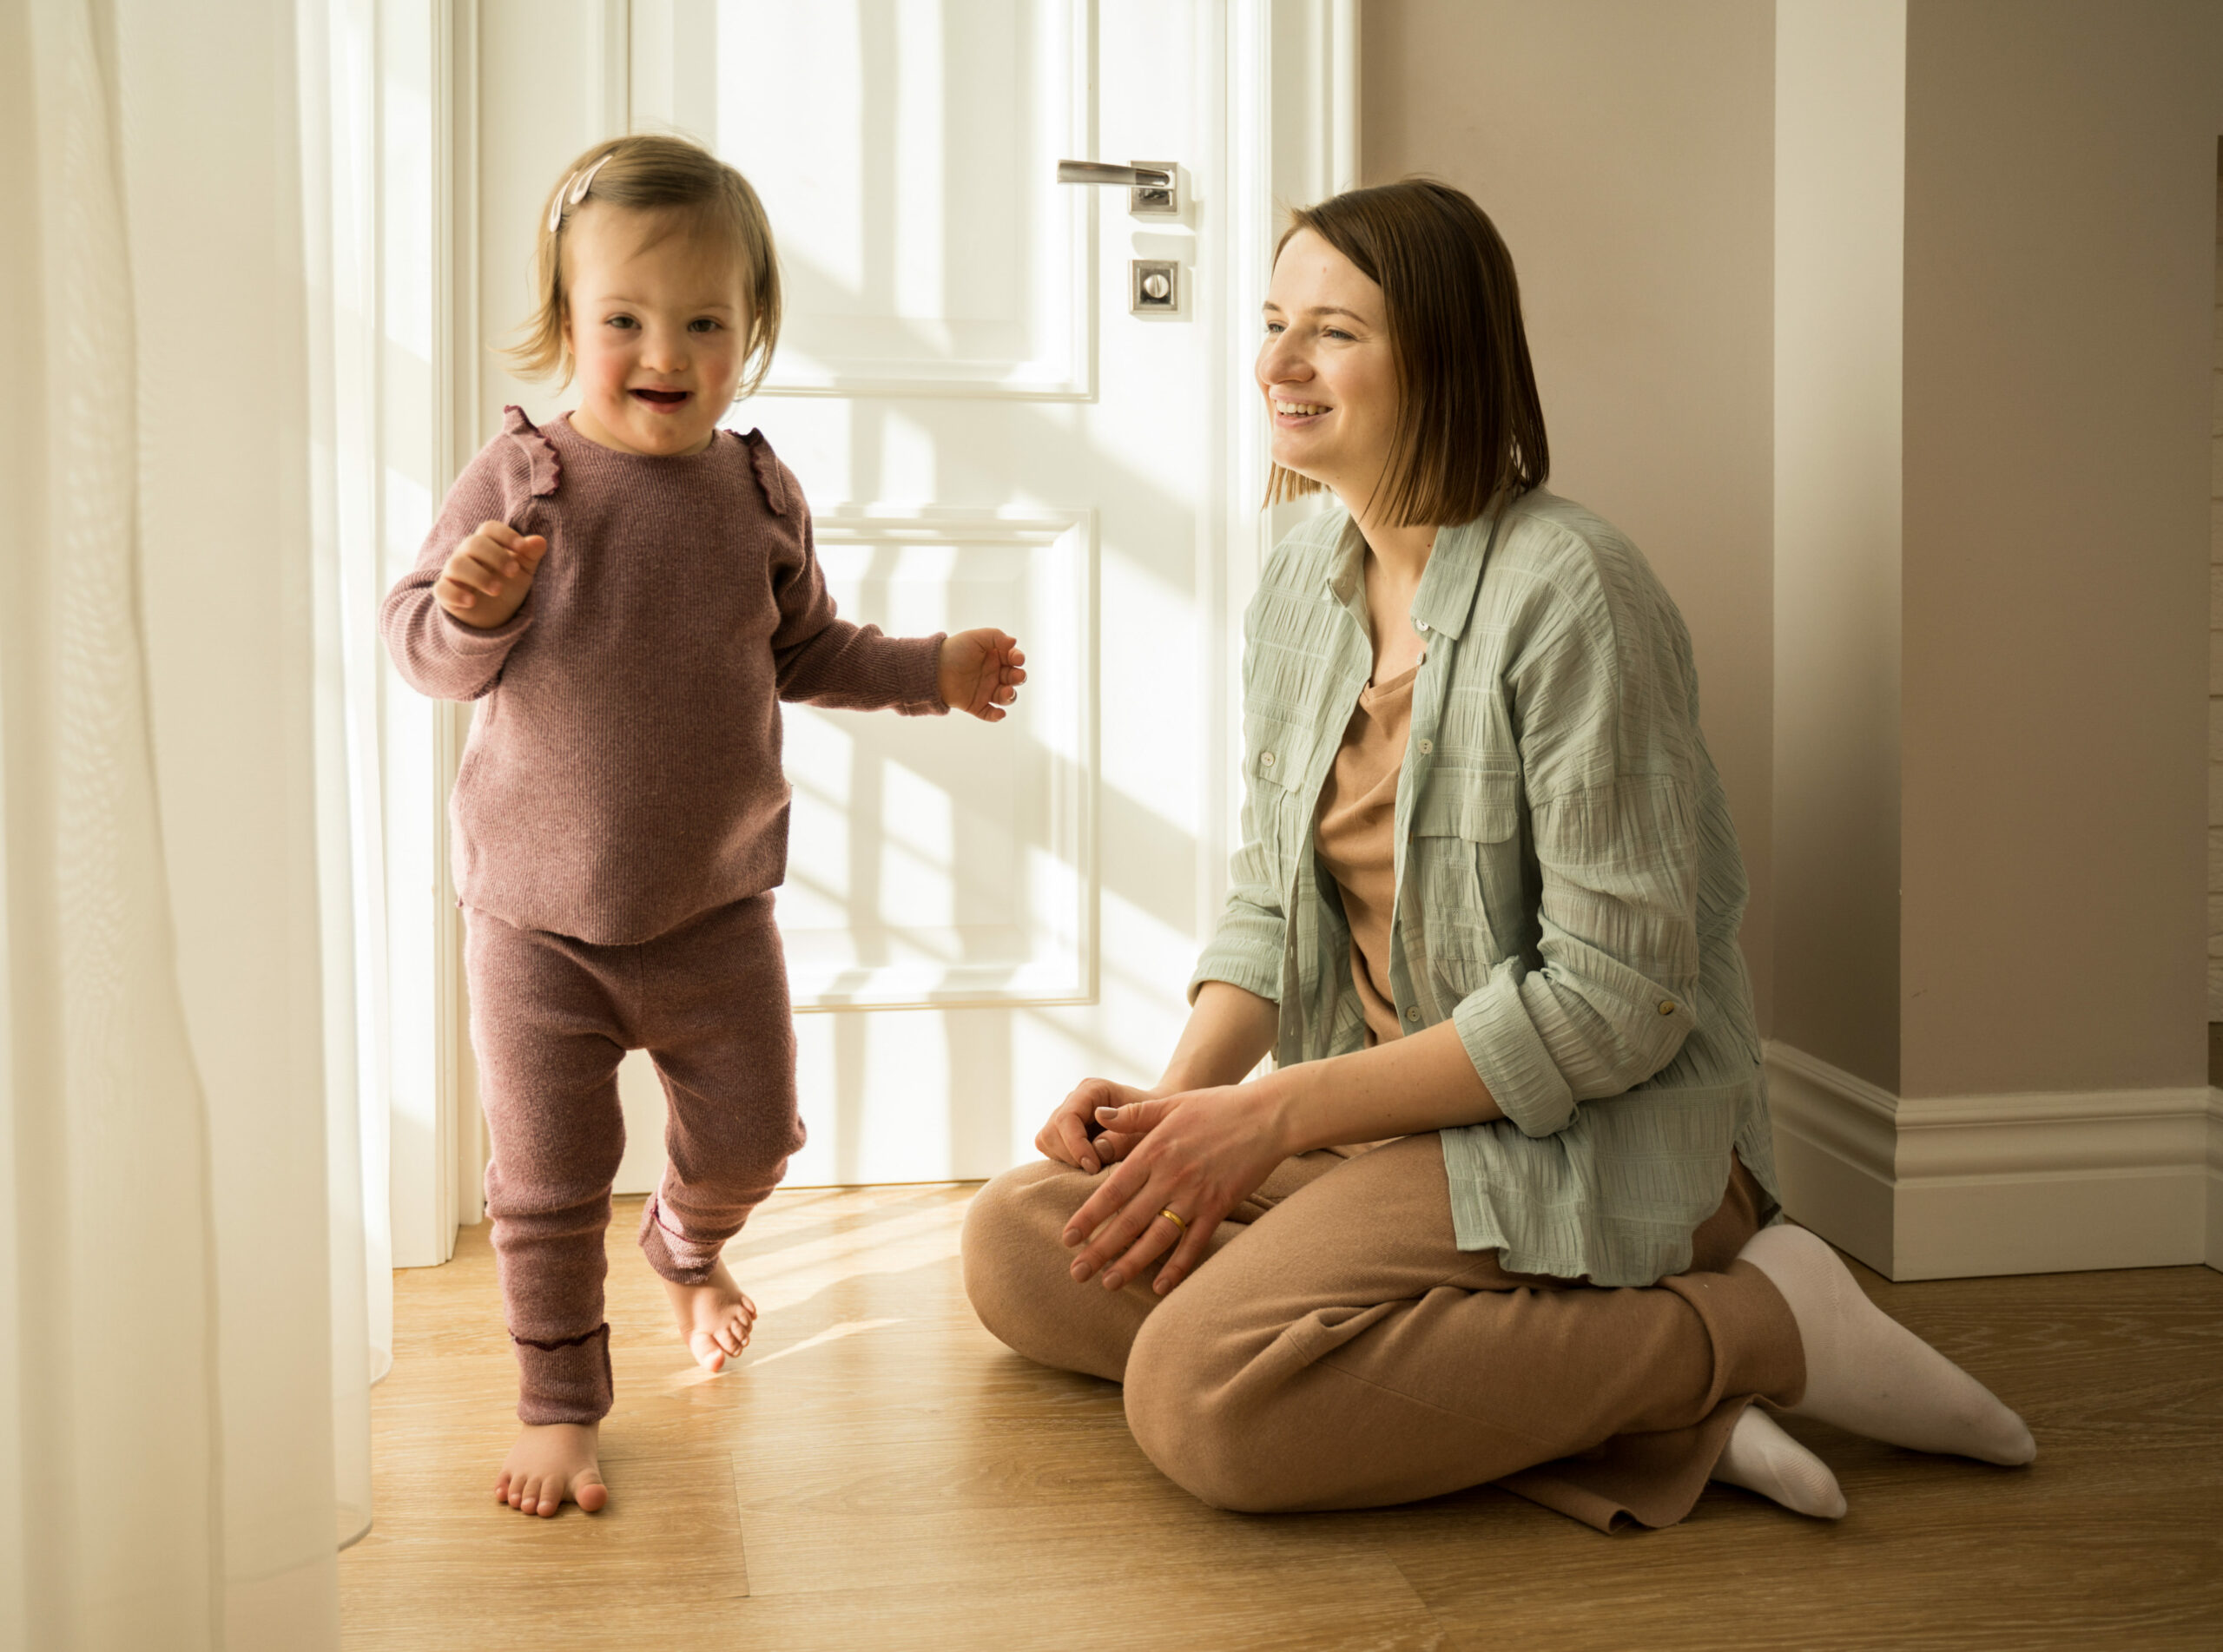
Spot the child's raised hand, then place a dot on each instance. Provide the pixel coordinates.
(489, 575)
(980, 672)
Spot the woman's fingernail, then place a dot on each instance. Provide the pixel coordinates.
(1110, 1281)
(1107, 1113)
(1089, 1165)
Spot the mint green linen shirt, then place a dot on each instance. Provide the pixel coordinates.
(1568, 885)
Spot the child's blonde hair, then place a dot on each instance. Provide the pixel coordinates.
(645, 173)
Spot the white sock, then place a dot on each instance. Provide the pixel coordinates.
(1867, 1373)
(1761, 1458)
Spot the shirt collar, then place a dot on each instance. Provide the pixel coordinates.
(1455, 568)
(1347, 573)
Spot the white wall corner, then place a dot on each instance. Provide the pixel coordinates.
(1957, 1186)
(1835, 1151)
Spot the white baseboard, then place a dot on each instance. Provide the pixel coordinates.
(2216, 1179)
(1953, 1187)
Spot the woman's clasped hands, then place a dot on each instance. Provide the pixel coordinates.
(1197, 1153)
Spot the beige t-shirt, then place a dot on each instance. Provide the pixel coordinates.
(1356, 834)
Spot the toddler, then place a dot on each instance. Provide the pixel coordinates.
(627, 593)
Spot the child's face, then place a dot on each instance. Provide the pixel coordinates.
(658, 325)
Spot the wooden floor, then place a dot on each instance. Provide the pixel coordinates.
(878, 1472)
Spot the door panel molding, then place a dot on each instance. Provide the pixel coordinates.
(904, 293)
(913, 570)
(1047, 1005)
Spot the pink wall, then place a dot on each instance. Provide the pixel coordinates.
(1623, 150)
(2060, 259)
(1936, 508)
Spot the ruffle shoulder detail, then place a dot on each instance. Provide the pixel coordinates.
(539, 452)
(771, 475)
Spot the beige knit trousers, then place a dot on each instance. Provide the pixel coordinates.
(1336, 1350)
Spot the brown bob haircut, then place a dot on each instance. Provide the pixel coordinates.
(1469, 424)
(699, 194)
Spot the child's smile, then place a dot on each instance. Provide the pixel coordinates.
(658, 320)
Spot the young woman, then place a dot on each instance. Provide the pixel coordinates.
(1506, 1208)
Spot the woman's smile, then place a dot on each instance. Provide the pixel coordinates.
(1326, 369)
(662, 399)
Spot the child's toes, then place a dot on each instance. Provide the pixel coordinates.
(708, 1354)
(589, 1492)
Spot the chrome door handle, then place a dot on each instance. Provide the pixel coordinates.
(1137, 176)
(1153, 192)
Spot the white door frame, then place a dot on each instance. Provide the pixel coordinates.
(1293, 89)
(411, 92)
(1293, 139)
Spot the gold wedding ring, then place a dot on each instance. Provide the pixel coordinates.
(1175, 1220)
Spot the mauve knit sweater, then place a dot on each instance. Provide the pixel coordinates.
(622, 774)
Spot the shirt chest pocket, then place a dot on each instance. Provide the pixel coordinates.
(1280, 758)
(1465, 869)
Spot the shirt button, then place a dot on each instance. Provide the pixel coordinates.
(1426, 745)
(1266, 760)
(1419, 625)
(1413, 1014)
(1666, 1006)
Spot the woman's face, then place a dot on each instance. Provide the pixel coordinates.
(1326, 371)
(658, 324)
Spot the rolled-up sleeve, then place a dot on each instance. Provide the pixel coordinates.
(1608, 738)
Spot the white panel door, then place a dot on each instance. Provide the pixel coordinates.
(977, 915)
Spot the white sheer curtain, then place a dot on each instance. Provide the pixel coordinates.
(106, 1130)
(337, 42)
(186, 1290)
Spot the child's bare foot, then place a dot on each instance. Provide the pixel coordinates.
(550, 1463)
(714, 1316)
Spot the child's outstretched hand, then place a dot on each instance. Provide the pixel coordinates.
(980, 672)
(489, 575)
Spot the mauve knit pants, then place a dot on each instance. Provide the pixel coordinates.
(550, 1017)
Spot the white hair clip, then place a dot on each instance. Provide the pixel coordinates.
(575, 191)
